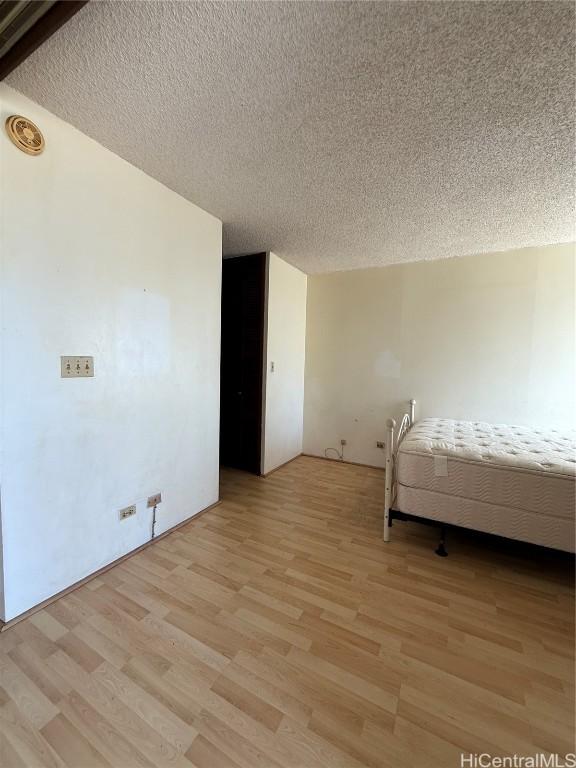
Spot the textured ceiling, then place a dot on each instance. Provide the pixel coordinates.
(338, 135)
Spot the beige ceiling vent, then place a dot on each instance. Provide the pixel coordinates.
(25, 134)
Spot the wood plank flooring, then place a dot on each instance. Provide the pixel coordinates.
(279, 631)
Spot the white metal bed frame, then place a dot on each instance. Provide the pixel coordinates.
(390, 465)
(393, 441)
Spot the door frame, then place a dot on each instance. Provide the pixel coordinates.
(264, 362)
(261, 352)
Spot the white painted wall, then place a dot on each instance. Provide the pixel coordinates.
(484, 337)
(99, 259)
(285, 347)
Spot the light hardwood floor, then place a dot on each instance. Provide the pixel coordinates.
(279, 631)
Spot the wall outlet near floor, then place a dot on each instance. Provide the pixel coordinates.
(380, 444)
(342, 442)
(154, 500)
(127, 512)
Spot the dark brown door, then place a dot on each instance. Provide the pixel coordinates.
(241, 369)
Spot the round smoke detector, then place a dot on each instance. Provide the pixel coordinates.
(25, 134)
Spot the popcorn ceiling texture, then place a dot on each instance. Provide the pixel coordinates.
(338, 135)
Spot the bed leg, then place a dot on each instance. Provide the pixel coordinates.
(441, 548)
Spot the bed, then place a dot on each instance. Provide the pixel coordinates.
(512, 481)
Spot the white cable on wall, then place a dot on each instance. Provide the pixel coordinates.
(338, 453)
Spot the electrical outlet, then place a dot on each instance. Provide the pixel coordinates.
(380, 444)
(342, 442)
(74, 367)
(154, 500)
(127, 512)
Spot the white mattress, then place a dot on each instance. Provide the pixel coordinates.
(512, 481)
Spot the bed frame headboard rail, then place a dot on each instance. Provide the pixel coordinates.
(390, 460)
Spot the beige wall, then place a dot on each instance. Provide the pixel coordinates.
(285, 348)
(96, 258)
(486, 337)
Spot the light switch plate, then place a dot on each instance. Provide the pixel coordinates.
(73, 367)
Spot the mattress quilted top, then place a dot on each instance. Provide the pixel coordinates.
(538, 450)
